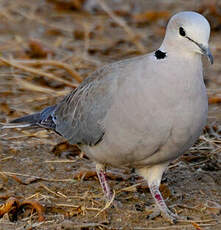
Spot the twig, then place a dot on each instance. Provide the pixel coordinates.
(124, 25)
(189, 226)
(37, 72)
(129, 188)
(77, 206)
(58, 194)
(33, 87)
(107, 205)
(197, 221)
(6, 158)
(61, 161)
(59, 64)
(40, 178)
(33, 196)
(83, 226)
(188, 207)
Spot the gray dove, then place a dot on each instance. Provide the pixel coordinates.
(142, 112)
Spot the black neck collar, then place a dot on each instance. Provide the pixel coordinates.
(160, 54)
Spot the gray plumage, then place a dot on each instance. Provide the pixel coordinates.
(141, 112)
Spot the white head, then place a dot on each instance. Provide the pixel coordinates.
(188, 31)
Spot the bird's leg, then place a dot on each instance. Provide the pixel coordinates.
(103, 181)
(153, 176)
(154, 189)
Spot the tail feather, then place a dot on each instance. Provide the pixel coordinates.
(11, 126)
(31, 119)
(43, 119)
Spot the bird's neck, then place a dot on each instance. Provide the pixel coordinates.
(182, 54)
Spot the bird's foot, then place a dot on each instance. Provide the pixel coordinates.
(168, 215)
(155, 212)
(174, 218)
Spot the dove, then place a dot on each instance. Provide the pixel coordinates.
(142, 112)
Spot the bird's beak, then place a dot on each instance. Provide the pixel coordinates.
(206, 51)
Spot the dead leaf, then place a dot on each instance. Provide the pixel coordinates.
(64, 148)
(34, 205)
(27, 181)
(64, 5)
(196, 226)
(38, 50)
(74, 211)
(14, 207)
(17, 179)
(4, 107)
(214, 100)
(85, 175)
(10, 205)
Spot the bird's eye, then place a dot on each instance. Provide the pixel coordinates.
(182, 32)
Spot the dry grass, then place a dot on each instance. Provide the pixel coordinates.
(47, 48)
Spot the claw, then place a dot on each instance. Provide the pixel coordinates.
(170, 217)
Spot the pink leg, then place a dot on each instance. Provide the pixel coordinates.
(153, 176)
(154, 189)
(103, 181)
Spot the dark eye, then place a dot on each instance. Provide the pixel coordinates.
(182, 32)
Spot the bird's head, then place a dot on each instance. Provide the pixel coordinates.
(190, 32)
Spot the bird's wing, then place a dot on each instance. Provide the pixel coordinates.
(78, 117)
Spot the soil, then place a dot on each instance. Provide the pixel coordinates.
(56, 179)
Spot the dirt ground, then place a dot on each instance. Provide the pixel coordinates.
(46, 47)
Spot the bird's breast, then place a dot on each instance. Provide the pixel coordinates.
(152, 120)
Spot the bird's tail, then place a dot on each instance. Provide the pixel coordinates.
(42, 119)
